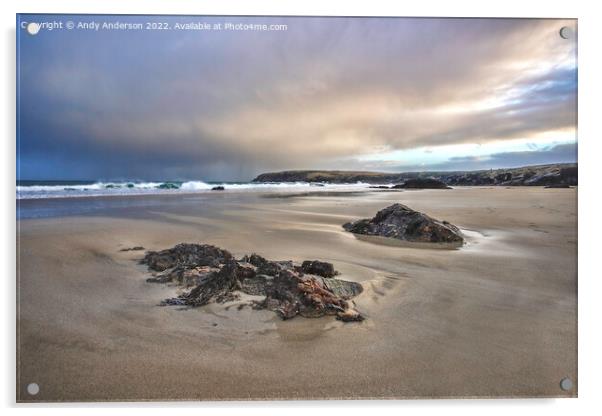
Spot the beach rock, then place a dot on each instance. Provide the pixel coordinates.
(321, 268)
(254, 259)
(309, 289)
(273, 268)
(422, 183)
(216, 286)
(137, 248)
(164, 277)
(343, 288)
(183, 276)
(257, 285)
(403, 223)
(246, 270)
(186, 255)
(267, 267)
(194, 276)
(379, 187)
(293, 294)
(218, 188)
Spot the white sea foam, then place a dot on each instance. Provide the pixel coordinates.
(37, 191)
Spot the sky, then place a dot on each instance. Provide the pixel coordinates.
(380, 94)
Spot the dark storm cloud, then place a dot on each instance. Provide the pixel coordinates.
(227, 105)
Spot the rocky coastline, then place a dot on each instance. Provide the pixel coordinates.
(541, 175)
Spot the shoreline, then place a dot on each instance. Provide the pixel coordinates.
(167, 192)
(355, 188)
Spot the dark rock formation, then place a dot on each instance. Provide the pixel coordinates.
(503, 177)
(320, 268)
(186, 256)
(309, 289)
(541, 175)
(217, 285)
(563, 176)
(343, 288)
(569, 175)
(294, 294)
(218, 188)
(327, 176)
(422, 183)
(403, 223)
(182, 275)
(137, 248)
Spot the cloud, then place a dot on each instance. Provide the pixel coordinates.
(228, 105)
(561, 153)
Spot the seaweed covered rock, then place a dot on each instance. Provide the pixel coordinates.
(403, 223)
(186, 255)
(216, 286)
(136, 248)
(320, 268)
(293, 293)
(309, 289)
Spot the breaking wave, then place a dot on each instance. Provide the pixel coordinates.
(69, 189)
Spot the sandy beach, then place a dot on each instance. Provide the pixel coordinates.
(496, 317)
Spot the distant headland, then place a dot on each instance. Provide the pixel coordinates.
(538, 175)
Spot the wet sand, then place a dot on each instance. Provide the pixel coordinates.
(496, 317)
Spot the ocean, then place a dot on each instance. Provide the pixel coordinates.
(43, 199)
(27, 189)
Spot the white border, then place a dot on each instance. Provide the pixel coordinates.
(590, 137)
